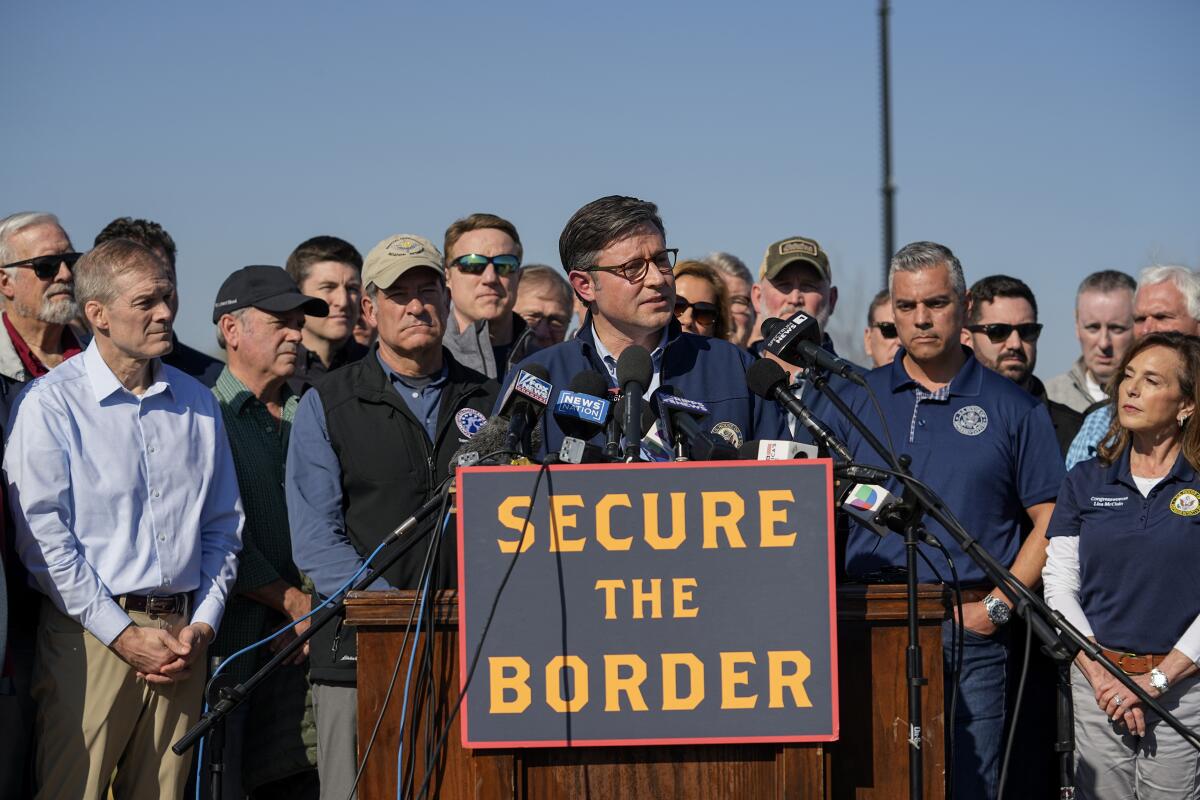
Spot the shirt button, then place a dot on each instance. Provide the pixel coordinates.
(162, 537)
(416, 395)
(156, 493)
(153, 449)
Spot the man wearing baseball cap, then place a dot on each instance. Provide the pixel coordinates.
(370, 444)
(259, 313)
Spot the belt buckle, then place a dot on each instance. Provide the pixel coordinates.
(1121, 662)
(160, 606)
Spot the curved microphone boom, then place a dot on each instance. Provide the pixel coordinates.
(768, 380)
(797, 341)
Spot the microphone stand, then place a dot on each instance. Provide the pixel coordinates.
(230, 697)
(1062, 644)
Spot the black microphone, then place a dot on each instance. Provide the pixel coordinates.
(768, 380)
(681, 415)
(489, 441)
(798, 341)
(526, 399)
(634, 371)
(580, 412)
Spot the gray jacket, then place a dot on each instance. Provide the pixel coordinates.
(1070, 388)
(472, 347)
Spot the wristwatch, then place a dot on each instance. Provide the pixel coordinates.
(997, 610)
(1158, 679)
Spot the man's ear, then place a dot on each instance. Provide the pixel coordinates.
(833, 298)
(756, 299)
(7, 287)
(231, 332)
(96, 315)
(581, 282)
(368, 310)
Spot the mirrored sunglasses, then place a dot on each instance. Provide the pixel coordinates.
(475, 264)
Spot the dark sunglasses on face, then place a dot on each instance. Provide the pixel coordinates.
(886, 329)
(702, 313)
(475, 264)
(998, 332)
(46, 267)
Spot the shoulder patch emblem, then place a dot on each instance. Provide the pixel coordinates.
(469, 421)
(729, 432)
(970, 420)
(1186, 503)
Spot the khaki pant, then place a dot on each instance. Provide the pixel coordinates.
(98, 724)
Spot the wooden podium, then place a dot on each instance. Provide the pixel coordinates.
(869, 761)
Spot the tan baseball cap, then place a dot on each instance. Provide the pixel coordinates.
(396, 255)
(791, 250)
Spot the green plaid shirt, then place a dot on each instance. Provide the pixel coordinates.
(259, 444)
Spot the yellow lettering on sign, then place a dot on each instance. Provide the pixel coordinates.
(630, 685)
(769, 516)
(683, 595)
(509, 678)
(727, 522)
(604, 522)
(560, 521)
(794, 680)
(671, 662)
(554, 671)
(650, 519)
(732, 677)
(510, 520)
(640, 597)
(609, 587)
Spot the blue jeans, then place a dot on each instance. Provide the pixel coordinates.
(979, 717)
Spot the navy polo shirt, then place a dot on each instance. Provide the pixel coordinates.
(983, 444)
(1139, 557)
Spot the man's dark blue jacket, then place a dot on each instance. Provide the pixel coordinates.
(711, 371)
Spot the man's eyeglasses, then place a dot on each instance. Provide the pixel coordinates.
(702, 313)
(998, 332)
(46, 267)
(886, 329)
(739, 300)
(635, 270)
(555, 322)
(475, 264)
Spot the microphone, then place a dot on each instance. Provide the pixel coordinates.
(634, 371)
(526, 399)
(798, 341)
(680, 415)
(865, 502)
(580, 411)
(768, 380)
(775, 450)
(489, 440)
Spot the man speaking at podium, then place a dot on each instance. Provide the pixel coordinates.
(988, 449)
(615, 253)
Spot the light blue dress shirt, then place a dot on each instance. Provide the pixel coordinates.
(1091, 433)
(116, 494)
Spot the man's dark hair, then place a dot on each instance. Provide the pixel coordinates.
(318, 249)
(142, 231)
(479, 222)
(986, 290)
(599, 224)
(881, 297)
(1105, 281)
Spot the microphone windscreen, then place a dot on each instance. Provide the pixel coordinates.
(648, 415)
(489, 441)
(769, 326)
(531, 386)
(635, 366)
(590, 382)
(763, 375)
(802, 328)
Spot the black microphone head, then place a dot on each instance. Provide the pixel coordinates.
(635, 366)
(764, 375)
(804, 328)
(530, 389)
(748, 451)
(487, 440)
(590, 382)
(648, 415)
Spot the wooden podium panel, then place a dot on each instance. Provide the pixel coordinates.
(870, 760)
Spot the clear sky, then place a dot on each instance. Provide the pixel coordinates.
(1043, 140)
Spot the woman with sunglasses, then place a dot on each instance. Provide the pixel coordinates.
(701, 300)
(1123, 566)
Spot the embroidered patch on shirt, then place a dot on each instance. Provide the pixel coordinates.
(970, 420)
(729, 432)
(1186, 503)
(469, 421)
(1099, 501)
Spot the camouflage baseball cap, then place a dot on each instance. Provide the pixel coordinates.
(791, 250)
(396, 255)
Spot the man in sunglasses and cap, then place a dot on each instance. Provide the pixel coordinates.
(39, 300)
(880, 339)
(1003, 330)
(483, 263)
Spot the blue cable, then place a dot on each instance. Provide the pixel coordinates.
(345, 586)
(408, 673)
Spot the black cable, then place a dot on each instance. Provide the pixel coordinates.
(425, 566)
(887, 433)
(957, 646)
(1012, 731)
(422, 792)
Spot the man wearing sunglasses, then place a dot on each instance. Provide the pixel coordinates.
(880, 339)
(1003, 331)
(39, 300)
(483, 262)
(615, 253)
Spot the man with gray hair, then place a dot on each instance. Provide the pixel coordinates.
(39, 301)
(738, 281)
(988, 449)
(129, 520)
(1104, 325)
(1167, 299)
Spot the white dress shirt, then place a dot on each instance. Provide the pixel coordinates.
(114, 493)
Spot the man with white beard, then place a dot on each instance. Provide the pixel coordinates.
(36, 280)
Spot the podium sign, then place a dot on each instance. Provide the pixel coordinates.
(648, 604)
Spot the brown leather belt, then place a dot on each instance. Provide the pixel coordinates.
(1132, 663)
(157, 605)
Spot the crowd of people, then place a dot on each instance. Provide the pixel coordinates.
(166, 509)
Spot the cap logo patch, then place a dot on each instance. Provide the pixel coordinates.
(469, 421)
(1186, 503)
(798, 246)
(729, 432)
(970, 420)
(405, 246)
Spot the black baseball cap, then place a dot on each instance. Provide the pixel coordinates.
(267, 288)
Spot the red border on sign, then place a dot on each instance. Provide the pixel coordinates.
(533, 468)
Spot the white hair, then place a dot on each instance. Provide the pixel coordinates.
(1184, 279)
(14, 223)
